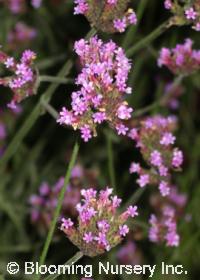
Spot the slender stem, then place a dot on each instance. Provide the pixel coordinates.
(135, 197)
(50, 79)
(70, 262)
(51, 61)
(50, 109)
(111, 162)
(91, 33)
(59, 206)
(162, 101)
(144, 42)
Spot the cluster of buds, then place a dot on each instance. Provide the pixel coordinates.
(99, 227)
(23, 78)
(20, 6)
(182, 59)
(185, 12)
(156, 141)
(103, 86)
(20, 35)
(43, 204)
(107, 15)
(163, 225)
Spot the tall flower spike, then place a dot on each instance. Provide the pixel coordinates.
(107, 15)
(99, 227)
(154, 136)
(103, 85)
(23, 77)
(182, 59)
(185, 12)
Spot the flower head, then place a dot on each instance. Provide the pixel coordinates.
(155, 140)
(113, 15)
(100, 227)
(103, 85)
(182, 59)
(23, 78)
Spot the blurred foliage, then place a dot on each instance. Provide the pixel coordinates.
(44, 153)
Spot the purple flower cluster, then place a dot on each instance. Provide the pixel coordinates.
(173, 93)
(164, 223)
(185, 12)
(23, 77)
(20, 6)
(99, 227)
(155, 138)
(20, 35)
(107, 15)
(180, 60)
(43, 204)
(3, 135)
(129, 253)
(103, 83)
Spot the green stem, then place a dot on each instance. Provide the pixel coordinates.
(145, 42)
(135, 197)
(49, 62)
(70, 262)
(91, 33)
(161, 102)
(50, 109)
(59, 206)
(50, 79)
(111, 162)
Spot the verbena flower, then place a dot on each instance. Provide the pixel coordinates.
(163, 224)
(20, 35)
(180, 60)
(129, 253)
(22, 76)
(43, 204)
(107, 15)
(103, 85)
(20, 6)
(99, 226)
(173, 93)
(154, 137)
(185, 12)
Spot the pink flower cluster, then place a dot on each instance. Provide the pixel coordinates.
(23, 77)
(103, 83)
(180, 60)
(164, 224)
(20, 35)
(43, 204)
(3, 134)
(107, 15)
(185, 12)
(129, 253)
(173, 93)
(156, 141)
(19, 6)
(99, 227)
